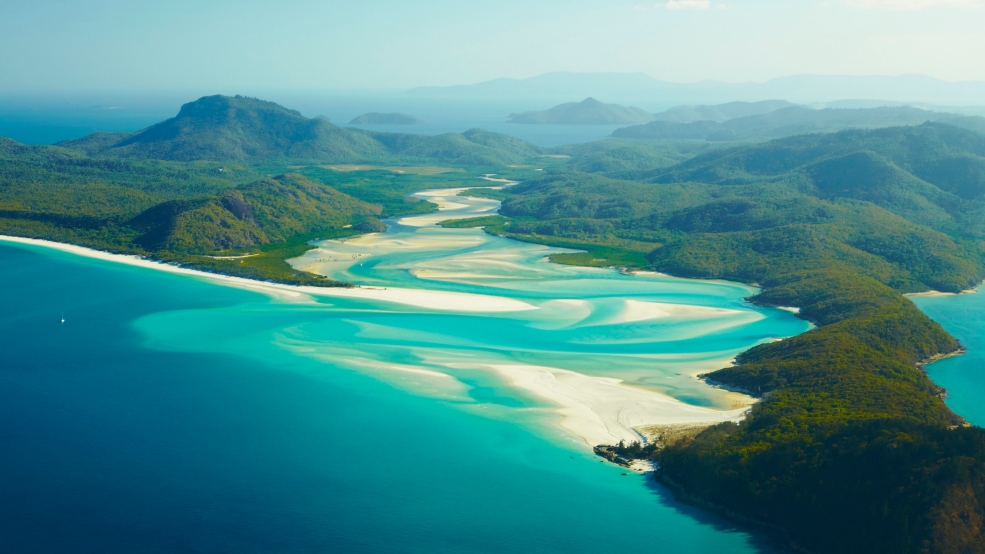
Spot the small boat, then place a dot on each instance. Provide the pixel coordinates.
(63, 317)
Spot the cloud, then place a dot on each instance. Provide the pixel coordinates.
(911, 4)
(688, 4)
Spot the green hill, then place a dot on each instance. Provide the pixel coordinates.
(587, 112)
(932, 174)
(251, 215)
(181, 212)
(248, 130)
(235, 128)
(791, 121)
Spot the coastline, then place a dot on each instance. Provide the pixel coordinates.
(437, 300)
(938, 357)
(597, 410)
(972, 290)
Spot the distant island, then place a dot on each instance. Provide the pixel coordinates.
(720, 112)
(587, 112)
(782, 122)
(376, 118)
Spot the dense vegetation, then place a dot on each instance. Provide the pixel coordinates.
(618, 155)
(197, 215)
(851, 449)
(794, 120)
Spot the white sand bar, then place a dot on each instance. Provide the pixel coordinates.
(434, 300)
(602, 410)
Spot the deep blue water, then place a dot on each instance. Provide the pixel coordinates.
(113, 446)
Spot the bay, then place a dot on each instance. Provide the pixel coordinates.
(963, 316)
(169, 413)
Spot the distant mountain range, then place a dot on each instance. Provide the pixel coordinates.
(639, 88)
(247, 129)
(721, 112)
(587, 112)
(788, 121)
(376, 118)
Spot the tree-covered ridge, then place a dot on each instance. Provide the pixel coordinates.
(623, 155)
(224, 128)
(789, 121)
(259, 213)
(932, 174)
(173, 211)
(851, 448)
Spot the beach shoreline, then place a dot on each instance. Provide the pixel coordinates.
(596, 410)
(436, 300)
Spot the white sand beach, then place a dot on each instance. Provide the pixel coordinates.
(598, 410)
(638, 310)
(601, 410)
(433, 300)
(939, 293)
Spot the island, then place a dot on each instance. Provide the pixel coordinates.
(587, 112)
(376, 118)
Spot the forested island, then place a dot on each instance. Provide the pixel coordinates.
(587, 112)
(376, 118)
(850, 449)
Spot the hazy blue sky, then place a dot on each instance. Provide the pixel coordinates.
(308, 44)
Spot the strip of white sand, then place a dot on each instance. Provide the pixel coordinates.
(639, 310)
(433, 300)
(939, 293)
(602, 410)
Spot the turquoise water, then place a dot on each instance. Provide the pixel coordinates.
(964, 317)
(171, 414)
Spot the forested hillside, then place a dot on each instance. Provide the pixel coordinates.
(179, 212)
(851, 448)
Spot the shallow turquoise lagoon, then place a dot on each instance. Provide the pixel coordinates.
(169, 413)
(963, 316)
(112, 444)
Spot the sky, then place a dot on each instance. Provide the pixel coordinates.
(57, 45)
